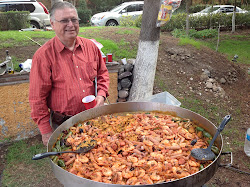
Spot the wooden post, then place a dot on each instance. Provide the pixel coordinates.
(146, 60)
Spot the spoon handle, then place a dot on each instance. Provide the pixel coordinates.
(220, 128)
(43, 155)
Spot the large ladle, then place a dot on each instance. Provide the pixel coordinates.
(82, 149)
(208, 154)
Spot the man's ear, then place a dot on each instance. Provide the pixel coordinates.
(52, 23)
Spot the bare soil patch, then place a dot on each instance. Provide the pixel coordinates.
(182, 78)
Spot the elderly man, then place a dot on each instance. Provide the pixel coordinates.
(63, 71)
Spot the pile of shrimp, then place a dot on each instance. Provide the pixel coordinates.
(134, 149)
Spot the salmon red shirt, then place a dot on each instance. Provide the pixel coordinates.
(60, 78)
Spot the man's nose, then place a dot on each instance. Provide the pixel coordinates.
(70, 23)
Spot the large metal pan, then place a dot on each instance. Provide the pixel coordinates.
(198, 179)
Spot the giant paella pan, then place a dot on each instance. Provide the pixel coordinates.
(195, 179)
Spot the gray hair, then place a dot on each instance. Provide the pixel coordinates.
(60, 5)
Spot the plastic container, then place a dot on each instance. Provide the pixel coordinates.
(163, 97)
(110, 58)
(247, 143)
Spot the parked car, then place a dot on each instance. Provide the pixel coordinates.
(227, 9)
(39, 14)
(113, 17)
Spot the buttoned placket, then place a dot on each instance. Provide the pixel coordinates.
(79, 72)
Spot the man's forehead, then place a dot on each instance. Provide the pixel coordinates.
(61, 12)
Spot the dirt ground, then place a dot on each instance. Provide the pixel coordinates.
(180, 68)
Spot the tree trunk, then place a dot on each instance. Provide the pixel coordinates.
(55, 1)
(233, 17)
(218, 40)
(187, 17)
(146, 60)
(210, 15)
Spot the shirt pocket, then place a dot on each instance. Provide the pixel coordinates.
(92, 70)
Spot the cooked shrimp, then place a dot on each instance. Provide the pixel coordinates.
(107, 171)
(132, 181)
(193, 163)
(83, 159)
(155, 177)
(127, 173)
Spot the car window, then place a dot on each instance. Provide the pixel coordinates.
(2, 8)
(139, 7)
(229, 9)
(16, 7)
(117, 8)
(29, 7)
(214, 9)
(131, 8)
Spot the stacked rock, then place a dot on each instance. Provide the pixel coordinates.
(125, 79)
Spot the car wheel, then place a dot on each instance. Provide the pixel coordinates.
(111, 23)
(34, 25)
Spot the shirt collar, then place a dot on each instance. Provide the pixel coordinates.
(60, 47)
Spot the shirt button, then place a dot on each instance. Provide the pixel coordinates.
(76, 66)
(83, 91)
(80, 78)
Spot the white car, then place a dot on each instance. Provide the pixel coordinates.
(112, 18)
(227, 9)
(39, 14)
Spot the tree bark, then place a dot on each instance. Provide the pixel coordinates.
(146, 60)
(233, 17)
(187, 17)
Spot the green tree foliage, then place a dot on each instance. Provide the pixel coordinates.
(83, 12)
(104, 5)
(15, 20)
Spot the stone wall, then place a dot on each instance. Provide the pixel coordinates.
(125, 80)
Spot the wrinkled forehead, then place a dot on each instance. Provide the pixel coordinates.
(65, 13)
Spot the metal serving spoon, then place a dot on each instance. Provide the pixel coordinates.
(207, 154)
(82, 149)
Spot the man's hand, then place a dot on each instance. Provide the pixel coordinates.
(45, 138)
(99, 101)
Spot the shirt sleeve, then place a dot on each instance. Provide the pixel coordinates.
(40, 86)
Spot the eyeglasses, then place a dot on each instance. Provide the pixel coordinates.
(66, 21)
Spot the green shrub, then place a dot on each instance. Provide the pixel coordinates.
(178, 21)
(129, 21)
(15, 20)
(83, 12)
(202, 34)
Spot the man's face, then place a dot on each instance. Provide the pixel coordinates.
(65, 30)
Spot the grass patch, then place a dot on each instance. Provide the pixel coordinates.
(16, 38)
(238, 143)
(21, 152)
(238, 44)
(231, 132)
(190, 41)
(20, 169)
(233, 47)
(160, 83)
(124, 32)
